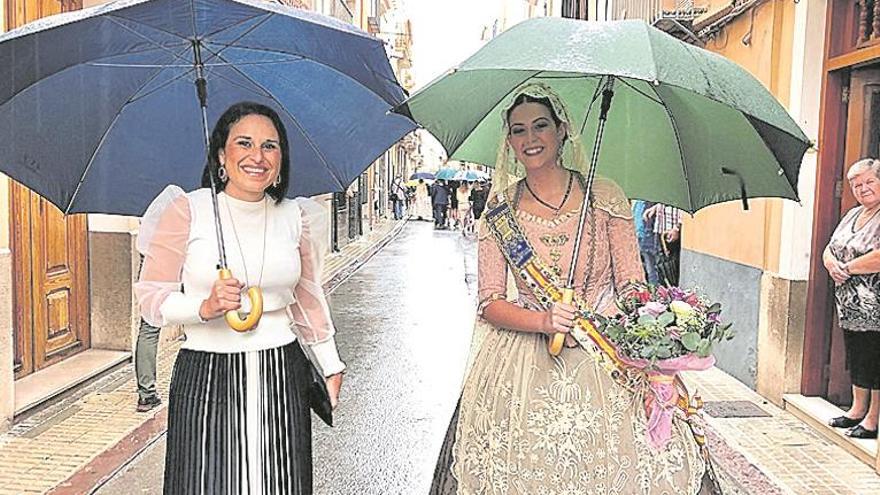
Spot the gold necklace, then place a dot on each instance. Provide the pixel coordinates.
(238, 242)
(555, 241)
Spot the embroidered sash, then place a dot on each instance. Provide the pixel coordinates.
(525, 264)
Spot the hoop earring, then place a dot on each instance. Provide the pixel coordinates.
(221, 173)
(277, 181)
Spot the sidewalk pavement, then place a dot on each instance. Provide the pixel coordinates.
(767, 450)
(79, 441)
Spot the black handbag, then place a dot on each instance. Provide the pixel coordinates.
(316, 386)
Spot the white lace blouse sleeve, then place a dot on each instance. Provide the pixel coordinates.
(310, 311)
(162, 240)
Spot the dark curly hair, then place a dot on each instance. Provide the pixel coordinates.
(221, 133)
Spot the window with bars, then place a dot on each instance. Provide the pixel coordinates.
(868, 15)
(575, 9)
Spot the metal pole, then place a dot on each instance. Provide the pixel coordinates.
(607, 95)
(202, 90)
(558, 340)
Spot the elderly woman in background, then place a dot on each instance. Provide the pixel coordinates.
(852, 258)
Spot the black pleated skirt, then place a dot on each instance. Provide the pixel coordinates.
(239, 424)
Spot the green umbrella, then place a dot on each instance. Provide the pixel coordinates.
(686, 127)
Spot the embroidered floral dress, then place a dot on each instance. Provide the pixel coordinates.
(529, 423)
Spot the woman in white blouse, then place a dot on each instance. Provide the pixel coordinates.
(238, 414)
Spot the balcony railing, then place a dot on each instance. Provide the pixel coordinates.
(869, 21)
(654, 10)
(649, 10)
(340, 10)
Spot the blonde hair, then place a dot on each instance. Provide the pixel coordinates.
(863, 166)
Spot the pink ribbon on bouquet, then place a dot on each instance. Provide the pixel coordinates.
(661, 379)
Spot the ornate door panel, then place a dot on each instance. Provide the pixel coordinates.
(50, 256)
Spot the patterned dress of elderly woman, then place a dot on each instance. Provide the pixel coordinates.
(531, 423)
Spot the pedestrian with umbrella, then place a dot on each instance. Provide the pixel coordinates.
(668, 122)
(422, 206)
(251, 368)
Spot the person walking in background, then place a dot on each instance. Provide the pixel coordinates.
(451, 189)
(852, 259)
(463, 203)
(145, 351)
(478, 197)
(145, 366)
(398, 197)
(439, 201)
(647, 239)
(422, 203)
(667, 227)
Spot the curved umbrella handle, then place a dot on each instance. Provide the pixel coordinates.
(558, 339)
(234, 318)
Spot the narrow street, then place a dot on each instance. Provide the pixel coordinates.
(404, 328)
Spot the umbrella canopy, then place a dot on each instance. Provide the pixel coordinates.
(422, 175)
(446, 174)
(470, 175)
(686, 127)
(99, 113)
(415, 182)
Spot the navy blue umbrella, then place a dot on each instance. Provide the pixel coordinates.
(99, 112)
(422, 175)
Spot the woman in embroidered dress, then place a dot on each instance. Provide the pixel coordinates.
(238, 416)
(852, 258)
(529, 423)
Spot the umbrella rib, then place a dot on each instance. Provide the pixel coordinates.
(162, 86)
(106, 133)
(148, 40)
(296, 123)
(240, 85)
(684, 170)
(590, 108)
(639, 91)
(266, 19)
(315, 61)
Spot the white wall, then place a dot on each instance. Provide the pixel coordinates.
(806, 83)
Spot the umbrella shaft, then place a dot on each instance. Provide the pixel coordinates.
(202, 91)
(607, 95)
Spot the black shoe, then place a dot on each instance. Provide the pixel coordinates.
(862, 432)
(844, 422)
(149, 403)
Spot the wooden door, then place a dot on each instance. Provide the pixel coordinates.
(862, 141)
(49, 253)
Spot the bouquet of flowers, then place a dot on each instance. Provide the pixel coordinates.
(662, 331)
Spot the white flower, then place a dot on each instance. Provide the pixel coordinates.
(683, 311)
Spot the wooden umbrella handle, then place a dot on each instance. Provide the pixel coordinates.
(234, 318)
(557, 341)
